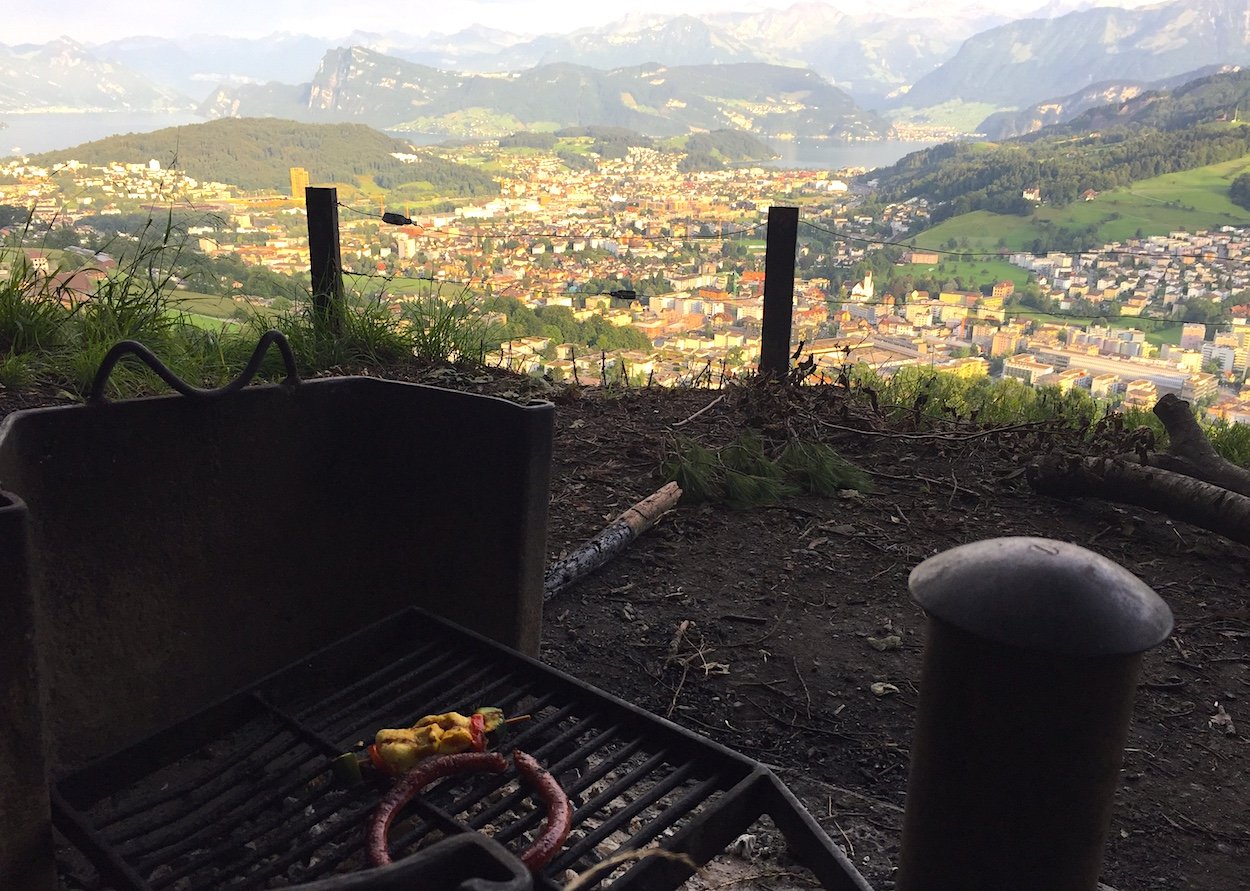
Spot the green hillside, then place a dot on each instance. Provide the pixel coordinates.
(1189, 200)
(258, 153)
(1109, 147)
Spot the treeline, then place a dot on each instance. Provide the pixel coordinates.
(957, 178)
(609, 142)
(1239, 191)
(544, 141)
(711, 151)
(258, 154)
(559, 323)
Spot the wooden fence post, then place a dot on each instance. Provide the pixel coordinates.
(783, 236)
(325, 258)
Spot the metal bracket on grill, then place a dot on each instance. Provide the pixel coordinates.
(134, 348)
(469, 862)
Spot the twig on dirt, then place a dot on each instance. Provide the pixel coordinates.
(760, 876)
(700, 411)
(674, 646)
(1101, 532)
(750, 643)
(893, 476)
(1218, 755)
(1180, 713)
(892, 567)
(754, 620)
(875, 802)
(770, 685)
(1195, 828)
(798, 725)
(946, 437)
(610, 863)
(803, 683)
(850, 848)
(685, 668)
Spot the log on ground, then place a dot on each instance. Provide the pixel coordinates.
(1181, 497)
(614, 539)
(1190, 452)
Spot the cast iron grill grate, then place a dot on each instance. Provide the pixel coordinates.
(242, 796)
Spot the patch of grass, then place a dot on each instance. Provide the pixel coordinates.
(444, 329)
(743, 475)
(1231, 441)
(18, 371)
(915, 391)
(370, 335)
(203, 304)
(1157, 331)
(978, 272)
(32, 316)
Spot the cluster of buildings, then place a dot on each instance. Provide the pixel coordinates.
(71, 189)
(559, 237)
(1148, 276)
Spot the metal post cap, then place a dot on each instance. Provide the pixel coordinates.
(1043, 595)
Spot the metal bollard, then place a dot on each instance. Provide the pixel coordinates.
(1030, 666)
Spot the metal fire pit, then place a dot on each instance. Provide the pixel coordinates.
(242, 794)
(159, 554)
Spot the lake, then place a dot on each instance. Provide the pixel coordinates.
(823, 154)
(34, 133)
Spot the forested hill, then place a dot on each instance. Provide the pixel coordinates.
(258, 153)
(1152, 134)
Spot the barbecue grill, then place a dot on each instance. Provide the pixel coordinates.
(167, 565)
(243, 794)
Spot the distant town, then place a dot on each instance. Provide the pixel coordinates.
(1110, 321)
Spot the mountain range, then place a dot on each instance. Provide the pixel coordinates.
(359, 84)
(900, 59)
(1032, 60)
(1006, 124)
(62, 75)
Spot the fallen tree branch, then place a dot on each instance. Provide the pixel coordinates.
(700, 411)
(1182, 497)
(1189, 451)
(614, 539)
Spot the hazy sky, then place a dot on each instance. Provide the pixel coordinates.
(93, 21)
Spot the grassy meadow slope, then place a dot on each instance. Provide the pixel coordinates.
(1189, 200)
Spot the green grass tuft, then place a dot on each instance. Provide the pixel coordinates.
(743, 475)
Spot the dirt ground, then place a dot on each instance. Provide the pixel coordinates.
(784, 605)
